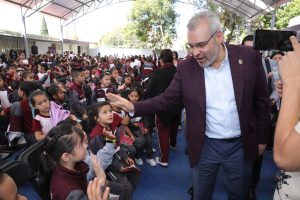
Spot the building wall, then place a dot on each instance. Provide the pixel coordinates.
(74, 48)
(42, 46)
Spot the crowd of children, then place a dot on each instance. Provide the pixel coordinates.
(61, 99)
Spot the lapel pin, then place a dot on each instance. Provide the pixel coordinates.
(240, 61)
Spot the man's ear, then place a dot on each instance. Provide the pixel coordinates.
(220, 36)
(55, 96)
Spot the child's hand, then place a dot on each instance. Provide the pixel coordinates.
(108, 134)
(126, 120)
(122, 87)
(132, 138)
(129, 161)
(84, 116)
(94, 192)
(124, 169)
(145, 131)
(97, 168)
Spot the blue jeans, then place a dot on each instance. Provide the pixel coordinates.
(237, 171)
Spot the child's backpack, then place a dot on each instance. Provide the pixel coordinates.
(31, 157)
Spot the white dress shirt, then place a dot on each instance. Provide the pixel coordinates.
(222, 119)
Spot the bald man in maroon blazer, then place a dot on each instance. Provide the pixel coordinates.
(230, 133)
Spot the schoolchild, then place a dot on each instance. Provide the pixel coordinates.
(47, 116)
(78, 99)
(62, 171)
(8, 188)
(114, 75)
(126, 86)
(122, 169)
(103, 86)
(20, 112)
(58, 95)
(5, 93)
(141, 128)
(43, 72)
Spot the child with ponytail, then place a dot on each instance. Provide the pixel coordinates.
(62, 170)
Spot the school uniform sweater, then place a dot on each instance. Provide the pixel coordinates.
(65, 183)
(78, 101)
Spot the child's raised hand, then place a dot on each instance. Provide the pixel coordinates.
(108, 134)
(97, 168)
(94, 190)
(121, 87)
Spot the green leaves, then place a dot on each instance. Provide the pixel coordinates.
(153, 22)
(44, 28)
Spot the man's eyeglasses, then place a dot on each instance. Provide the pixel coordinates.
(200, 44)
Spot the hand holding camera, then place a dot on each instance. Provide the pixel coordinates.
(289, 66)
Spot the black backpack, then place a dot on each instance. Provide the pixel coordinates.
(31, 157)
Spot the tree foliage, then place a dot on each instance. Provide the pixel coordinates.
(233, 25)
(153, 22)
(285, 13)
(122, 37)
(44, 28)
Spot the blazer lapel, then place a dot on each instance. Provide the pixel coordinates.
(199, 87)
(236, 65)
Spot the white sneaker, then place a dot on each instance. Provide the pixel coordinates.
(163, 164)
(138, 161)
(151, 162)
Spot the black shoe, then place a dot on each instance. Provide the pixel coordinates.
(251, 194)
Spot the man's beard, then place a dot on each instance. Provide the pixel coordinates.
(211, 60)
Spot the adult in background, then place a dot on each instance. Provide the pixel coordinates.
(166, 122)
(224, 91)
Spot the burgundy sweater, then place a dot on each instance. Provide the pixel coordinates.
(64, 181)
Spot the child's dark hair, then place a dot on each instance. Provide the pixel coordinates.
(60, 139)
(28, 87)
(2, 77)
(176, 54)
(76, 71)
(26, 74)
(113, 69)
(139, 92)
(69, 121)
(44, 65)
(126, 75)
(52, 90)
(277, 53)
(93, 113)
(34, 94)
(104, 74)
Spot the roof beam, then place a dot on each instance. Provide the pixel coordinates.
(88, 8)
(243, 15)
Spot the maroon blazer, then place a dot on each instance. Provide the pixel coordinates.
(251, 95)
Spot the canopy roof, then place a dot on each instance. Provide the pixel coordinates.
(249, 9)
(67, 10)
(70, 10)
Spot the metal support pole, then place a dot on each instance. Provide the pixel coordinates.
(273, 19)
(62, 39)
(25, 36)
